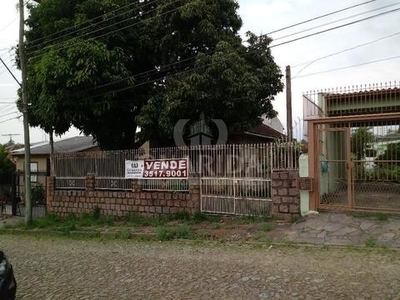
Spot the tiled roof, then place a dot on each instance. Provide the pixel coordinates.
(74, 144)
(266, 131)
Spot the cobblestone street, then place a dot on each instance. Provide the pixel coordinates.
(56, 268)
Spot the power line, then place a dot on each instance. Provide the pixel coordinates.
(17, 117)
(9, 71)
(319, 17)
(7, 108)
(5, 115)
(336, 21)
(353, 6)
(91, 25)
(348, 67)
(309, 63)
(112, 25)
(9, 24)
(336, 27)
(153, 70)
(164, 76)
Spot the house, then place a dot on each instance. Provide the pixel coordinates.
(270, 130)
(40, 159)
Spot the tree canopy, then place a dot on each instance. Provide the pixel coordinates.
(360, 139)
(110, 67)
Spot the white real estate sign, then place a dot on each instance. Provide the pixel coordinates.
(157, 168)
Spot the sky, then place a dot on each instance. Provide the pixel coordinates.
(262, 17)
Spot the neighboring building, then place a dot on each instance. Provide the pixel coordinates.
(40, 158)
(274, 123)
(379, 147)
(270, 130)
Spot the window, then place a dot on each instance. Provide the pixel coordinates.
(34, 170)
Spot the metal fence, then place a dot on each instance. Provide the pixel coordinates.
(209, 161)
(352, 100)
(236, 179)
(357, 134)
(12, 196)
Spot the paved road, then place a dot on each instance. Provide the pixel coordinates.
(54, 268)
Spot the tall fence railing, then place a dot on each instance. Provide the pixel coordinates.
(352, 100)
(219, 161)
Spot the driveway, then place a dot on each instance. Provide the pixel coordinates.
(57, 268)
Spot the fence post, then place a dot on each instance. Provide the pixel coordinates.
(49, 192)
(14, 195)
(90, 182)
(136, 187)
(194, 191)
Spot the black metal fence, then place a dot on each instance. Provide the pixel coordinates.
(12, 195)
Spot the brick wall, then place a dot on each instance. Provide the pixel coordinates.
(285, 193)
(119, 203)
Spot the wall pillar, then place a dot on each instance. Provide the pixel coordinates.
(90, 182)
(285, 194)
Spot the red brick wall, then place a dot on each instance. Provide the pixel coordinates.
(285, 194)
(119, 203)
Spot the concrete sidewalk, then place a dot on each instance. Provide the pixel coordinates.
(343, 229)
(10, 220)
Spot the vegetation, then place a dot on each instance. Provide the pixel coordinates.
(181, 232)
(359, 142)
(7, 167)
(147, 65)
(392, 152)
(38, 194)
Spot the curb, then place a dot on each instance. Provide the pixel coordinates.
(152, 237)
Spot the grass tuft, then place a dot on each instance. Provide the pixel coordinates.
(171, 233)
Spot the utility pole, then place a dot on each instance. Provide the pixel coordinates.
(289, 121)
(27, 166)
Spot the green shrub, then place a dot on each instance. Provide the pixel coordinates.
(46, 221)
(123, 234)
(267, 227)
(96, 213)
(136, 220)
(181, 232)
(179, 216)
(38, 194)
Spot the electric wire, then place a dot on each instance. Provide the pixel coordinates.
(349, 67)
(110, 32)
(87, 27)
(171, 11)
(10, 119)
(272, 46)
(335, 21)
(177, 73)
(319, 17)
(309, 63)
(8, 114)
(336, 27)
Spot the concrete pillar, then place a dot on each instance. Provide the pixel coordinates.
(304, 195)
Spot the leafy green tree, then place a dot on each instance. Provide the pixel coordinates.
(392, 153)
(6, 166)
(360, 139)
(147, 65)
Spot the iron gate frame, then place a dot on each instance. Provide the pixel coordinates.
(314, 168)
(232, 200)
(348, 205)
